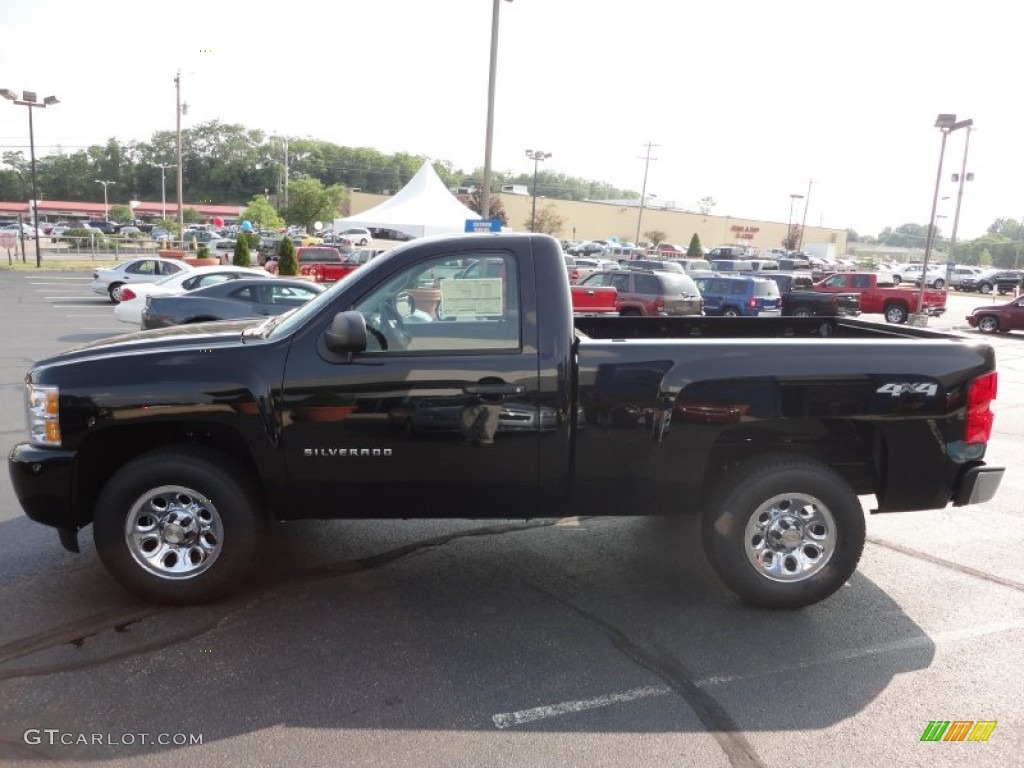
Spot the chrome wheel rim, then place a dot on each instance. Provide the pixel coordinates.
(790, 537)
(988, 324)
(174, 532)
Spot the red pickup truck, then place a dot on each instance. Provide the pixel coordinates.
(594, 299)
(328, 265)
(879, 295)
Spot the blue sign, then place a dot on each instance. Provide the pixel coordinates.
(483, 225)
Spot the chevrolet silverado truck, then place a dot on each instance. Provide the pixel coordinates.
(183, 446)
(879, 295)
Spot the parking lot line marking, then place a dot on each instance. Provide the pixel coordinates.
(904, 644)
(510, 719)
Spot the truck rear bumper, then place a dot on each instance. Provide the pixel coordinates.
(42, 480)
(979, 484)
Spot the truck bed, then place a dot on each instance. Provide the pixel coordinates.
(613, 328)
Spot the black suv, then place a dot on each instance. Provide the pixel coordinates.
(1004, 281)
(106, 227)
(650, 292)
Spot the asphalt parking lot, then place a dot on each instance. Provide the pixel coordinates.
(580, 641)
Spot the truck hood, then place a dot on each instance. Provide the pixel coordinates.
(213, 334)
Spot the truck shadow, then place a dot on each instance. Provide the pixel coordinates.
(439, 625)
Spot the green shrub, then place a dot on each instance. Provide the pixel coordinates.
(204, 252)
(286, 263)
(241, 257)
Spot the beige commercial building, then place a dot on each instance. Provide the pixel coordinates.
(595, 220)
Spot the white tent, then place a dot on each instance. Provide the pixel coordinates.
(424, 206)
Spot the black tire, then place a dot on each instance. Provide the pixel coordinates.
(985, 288)
(988, 324)
(171, 493)
(730, 312)
(896, 280)
(794, 494)
(111, 290)
(939, 284)
(803, 312)
(895, 313)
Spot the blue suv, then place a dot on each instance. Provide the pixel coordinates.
(733, 296)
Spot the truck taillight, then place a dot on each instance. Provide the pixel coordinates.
(659, 304)
(980, 394)
(752, 303)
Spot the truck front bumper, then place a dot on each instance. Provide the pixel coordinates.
(978, 485)
(42, 480)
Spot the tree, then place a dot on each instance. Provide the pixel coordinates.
(852, 236)
(655, 236)
(191, 216)
(262, 214)
(792, 237)
(120, 213)
(309, 201)
(1007, 227)
(241, 255)
(706, 204)
(548, 221)
(286, 263)
(695, 251)
(495, 204)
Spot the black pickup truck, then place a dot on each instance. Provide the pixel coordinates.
(404, 391)
(799, 299)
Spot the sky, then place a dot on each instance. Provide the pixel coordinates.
(747, 102)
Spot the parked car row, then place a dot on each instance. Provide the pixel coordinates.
(155, 292)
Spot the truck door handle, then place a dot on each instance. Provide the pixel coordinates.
(494, 389)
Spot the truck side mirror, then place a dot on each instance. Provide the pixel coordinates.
(346, 334)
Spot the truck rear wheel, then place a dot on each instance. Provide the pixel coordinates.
(179, 525)
(895, 313)
(784, 531)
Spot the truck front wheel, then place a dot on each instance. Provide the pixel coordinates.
(784, 531)
(895, 313)
(179, 525)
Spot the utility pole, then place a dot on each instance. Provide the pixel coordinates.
(181, 203)
(106, 208)
(285, 190)
(959, 197)
(803, 223)
(643, 190)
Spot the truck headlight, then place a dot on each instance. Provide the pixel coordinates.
(43, 415)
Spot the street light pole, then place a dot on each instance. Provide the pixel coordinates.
(485, 187)
(30, 100)
(536, 155)
(959, 198)
(163, 185)
(643, 189)
(181, 203)
(947, 124)
(106, 208)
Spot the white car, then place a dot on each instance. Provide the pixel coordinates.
(132, 298)
(145, 269)
(356, 235)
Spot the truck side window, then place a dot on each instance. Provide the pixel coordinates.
(445, 305)
(861, 281)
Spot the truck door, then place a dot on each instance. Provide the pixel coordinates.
(441, 415)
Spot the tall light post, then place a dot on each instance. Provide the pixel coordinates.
(163, 185)
(178, 113)
(643, 190)
(947, 124)
(536, 155)
(30, 100)
(485, 189)
(789, 227)
(106, 208)
(964, 176)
